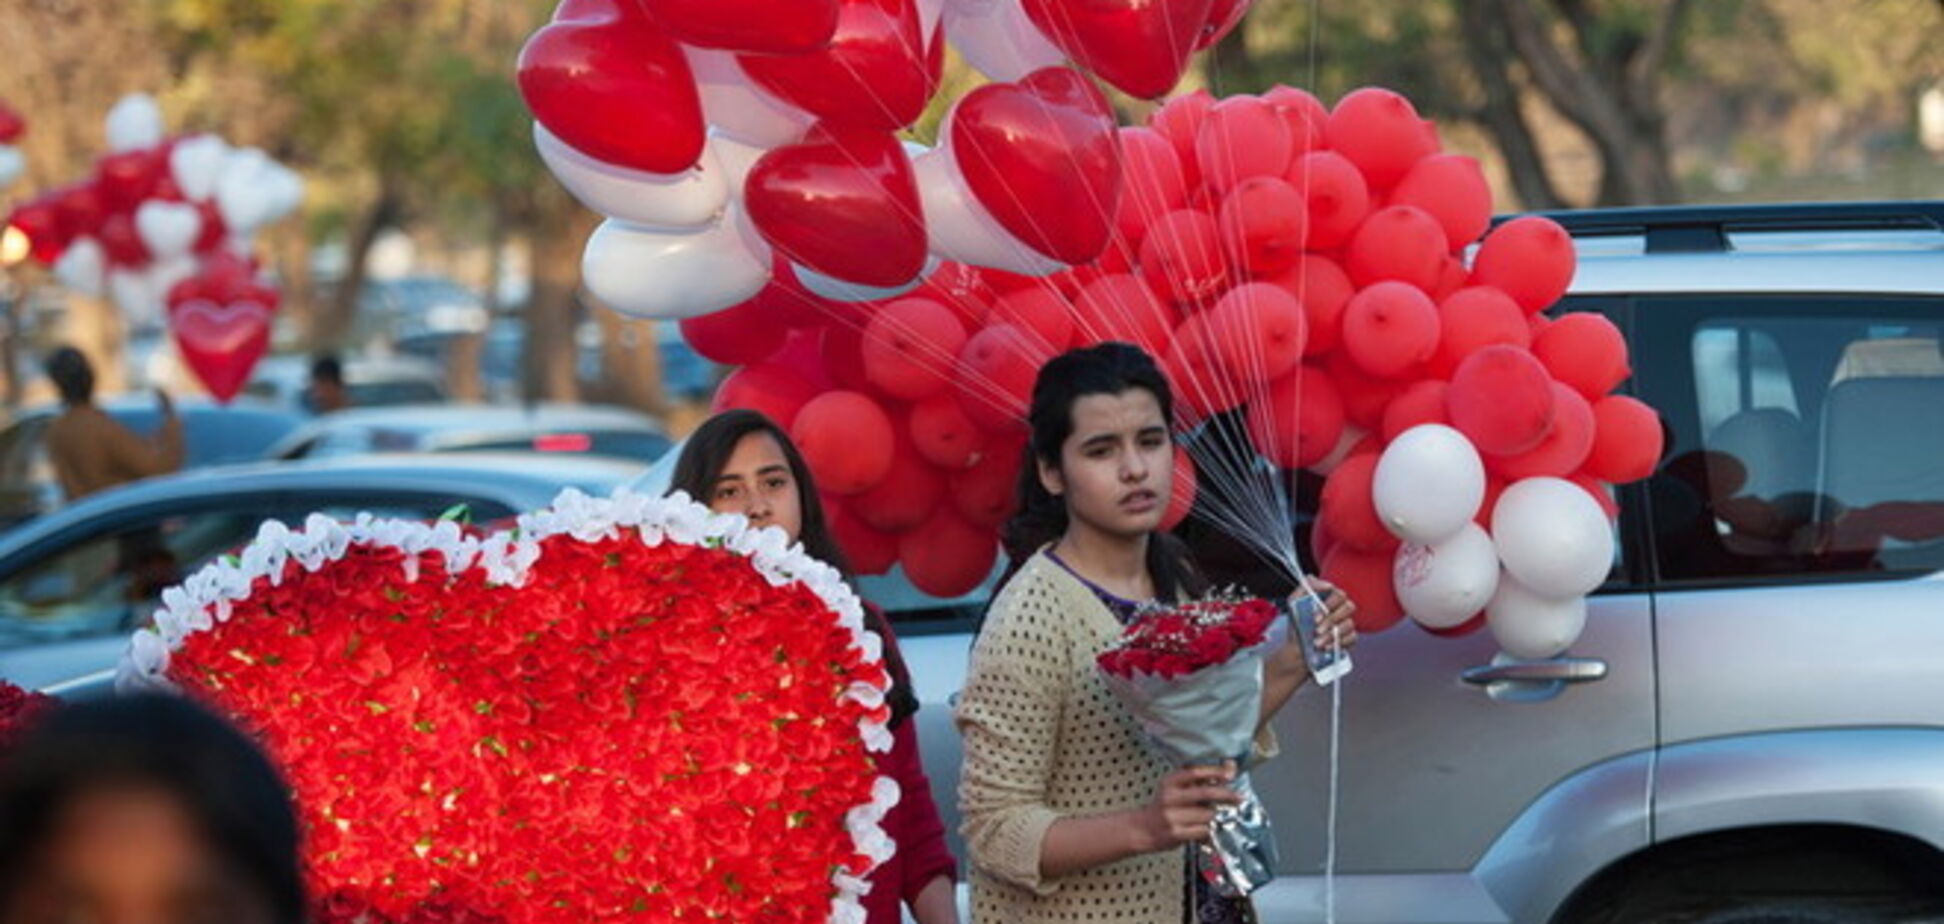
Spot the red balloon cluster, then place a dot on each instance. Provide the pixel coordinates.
(1303, 266)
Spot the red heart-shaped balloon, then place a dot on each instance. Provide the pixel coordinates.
(47, 234)
(1041, 155)
(876, 73)
(1140, 46)
(617, 89)
(126, 179)
(843, 202)
(121, 242)
(221, 338)
(776, 27)
(1223, 17)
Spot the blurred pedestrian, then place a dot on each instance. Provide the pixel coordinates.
(148, 810)
(326, 392)
(92, 451)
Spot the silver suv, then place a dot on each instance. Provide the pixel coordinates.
(1752, 727)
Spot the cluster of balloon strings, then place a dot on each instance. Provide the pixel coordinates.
(1251, 499)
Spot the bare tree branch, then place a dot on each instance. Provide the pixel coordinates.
(1486, 51)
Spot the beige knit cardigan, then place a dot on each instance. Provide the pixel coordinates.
(1045, 739)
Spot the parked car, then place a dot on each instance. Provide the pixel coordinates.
(369, 381)
(74, 583)
(550, 428)
(213, 434)
(685, 373)
(1750, 728)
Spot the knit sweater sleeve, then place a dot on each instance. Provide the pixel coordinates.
(1009, 715)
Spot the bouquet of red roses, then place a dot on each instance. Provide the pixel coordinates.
(1192, 675)
(19, 710)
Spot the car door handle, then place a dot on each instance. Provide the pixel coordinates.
(1558, 670)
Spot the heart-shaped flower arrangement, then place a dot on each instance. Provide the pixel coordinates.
(628, 709)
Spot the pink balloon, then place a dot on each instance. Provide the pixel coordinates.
(1264, 225)
(1256, 332)
(1180, 121)
(1585, 351)
(1390, 328)
(1182, 257)
(1502, 400)
(1398, 242)
(1474, 318)
(1324, 290)
(1530, 258)
(1380, 132)
(1155, 184)
(1339, 198)
(995, 375)
(1305, 114)
(1563, 449)
(1242, 137)
(1452, 189)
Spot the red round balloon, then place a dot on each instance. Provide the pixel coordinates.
(1502, 400)
(736, 336)
(1627, 440)
(840, 355)
(1599, 493)
(1181, 498)
(1347, 505)
(995, 374)
(911, 347)
(944, 436)
(846, 439)
(1338, 196)
(1264, 225)
(872, 73)
(1422, 403)
(1256, 333)
(1390, 328)
(961, 288)
(1365, 396)
(866, 550)
(1564, 448)
(1200, 389)
(843, 202)
(616, 89)
(987, 494)
(1122, 307)
(1324, 290)
(1180, 120)
(1529, 258)
(1451, 188)
(1154, 183)
(947, 556)
(1182, 259)
(1473, 318)
(1586, 351)
(1494, 487)
(907, 496)
(1397, 242)
(1242, 137)
(1043, 157)
(1041, 313)
(1365, 576)
(1381, 132)
(1299, 420)
(1452, 276)
(1305, 114)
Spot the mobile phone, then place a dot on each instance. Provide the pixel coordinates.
(1325, 664)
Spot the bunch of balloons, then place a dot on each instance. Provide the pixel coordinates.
(164, 222)
(12, 164)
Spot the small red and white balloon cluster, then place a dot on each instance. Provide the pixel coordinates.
(12, 163)
(167, 222)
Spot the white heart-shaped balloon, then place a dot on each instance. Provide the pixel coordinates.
(838, 290)
(286, 191)
(737, 107)
(170, 229)
(197, 163)
(134, 123)
(689, 199)
(244, 192)
(133, 293)
(961, 229)
(82, 265)
(11, 165)
(652, 273)
(997, 39)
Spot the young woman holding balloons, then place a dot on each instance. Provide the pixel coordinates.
(740, 461)
(1068, 815)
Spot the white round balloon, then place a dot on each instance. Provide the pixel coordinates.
(1530, 626)
(1428, 485)
(1553, 537)
(197, 163)
(996, 38)
(12, 165)
(737, 107)
(1441, 586)
(653, 273)
(169, 229)
(134, 123)
(690, 199)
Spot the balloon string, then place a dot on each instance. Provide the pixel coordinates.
(1336, 769)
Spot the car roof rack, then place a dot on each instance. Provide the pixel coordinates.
(1705, 228)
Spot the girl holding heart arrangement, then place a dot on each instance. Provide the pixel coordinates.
(740, 461)
(1069, 816)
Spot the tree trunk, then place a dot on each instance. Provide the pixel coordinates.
(10, 344)
(554, 243)
(336, 319)
(631, 372)
(1485, 48)
(293, 255)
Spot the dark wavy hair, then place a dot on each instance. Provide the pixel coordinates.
(218, 775)
(706, 454)
(1104, 369)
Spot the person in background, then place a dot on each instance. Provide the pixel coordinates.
(1069, 816)
(147, 810)
(92, 451)
(740, 461)
(326, 392)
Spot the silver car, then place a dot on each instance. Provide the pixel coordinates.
(74, 583)
(572, 429)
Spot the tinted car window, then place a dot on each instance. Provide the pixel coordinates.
(1806, 435)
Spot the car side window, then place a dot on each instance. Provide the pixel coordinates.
(1805, 436)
